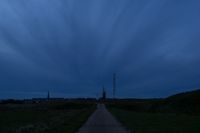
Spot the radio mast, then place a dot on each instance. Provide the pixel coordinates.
(114, 85)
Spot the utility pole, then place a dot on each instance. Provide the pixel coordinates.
(114, 85)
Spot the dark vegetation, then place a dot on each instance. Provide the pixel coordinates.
(188, 102)
(45, 117)
(179, 113)
(147, 122)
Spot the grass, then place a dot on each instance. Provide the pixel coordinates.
(44, 118)
(146, 122)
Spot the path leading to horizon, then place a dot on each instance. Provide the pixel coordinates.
(102, 121)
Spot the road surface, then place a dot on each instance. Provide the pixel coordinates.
(102, 121)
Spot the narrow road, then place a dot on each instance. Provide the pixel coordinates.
(102, 121)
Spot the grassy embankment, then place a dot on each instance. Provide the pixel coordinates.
(44, 118)
(176, 114)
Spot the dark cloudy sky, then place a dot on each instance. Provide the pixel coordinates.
(72, 47)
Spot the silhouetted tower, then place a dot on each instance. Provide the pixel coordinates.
(114, 84)
(48, 96)
(104, 94)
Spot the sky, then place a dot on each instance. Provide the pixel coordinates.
(72, 47)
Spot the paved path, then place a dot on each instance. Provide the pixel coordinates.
(102, 121)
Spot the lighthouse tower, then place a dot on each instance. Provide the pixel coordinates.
(103, 94)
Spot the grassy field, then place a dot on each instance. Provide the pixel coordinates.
(158, 122)
(178, 113)
(44, 118)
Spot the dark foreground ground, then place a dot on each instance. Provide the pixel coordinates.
(64, 117)
(179, 113)
(145, 122)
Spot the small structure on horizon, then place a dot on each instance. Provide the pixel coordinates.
(103, 94)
